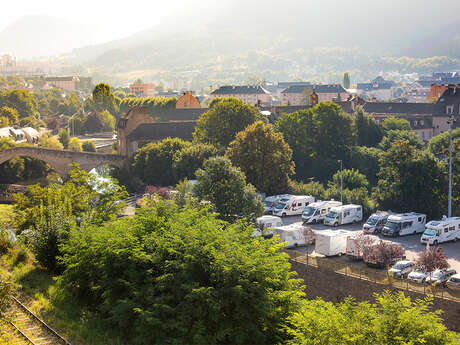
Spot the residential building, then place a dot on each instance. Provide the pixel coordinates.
(68, 83)
(297, 95)
(143, 90)
(168, 94)
(254, 95)
(379, 88)
(418, 91)
(330, 92)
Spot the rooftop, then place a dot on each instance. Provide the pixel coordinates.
(399, 108)
(243, 89)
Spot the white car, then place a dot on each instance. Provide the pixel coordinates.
(440, 277)
(418, 276)
(402, 268)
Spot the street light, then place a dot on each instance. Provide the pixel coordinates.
(341, 179)
(451, 122)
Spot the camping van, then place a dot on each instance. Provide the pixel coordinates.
(317, 211)
(344, 215)
(265, 226)
(375, 223)
(438, 231)
(292, 206)
(271, 201)
(404, 224)
(295, 235)
(331, 242)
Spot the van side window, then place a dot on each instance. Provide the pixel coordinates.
(446, 229)
(323, 211)
(299, 204)
(420, 219)
(452, 228)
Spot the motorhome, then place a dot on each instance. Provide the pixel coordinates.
(295, 235)
(271, 201)
(375, 223)
(331, 242)
(317, 211)
(265, 226)
(439, 231)
(292, 206)
(344, 215)
(358, 242)
(404, 224)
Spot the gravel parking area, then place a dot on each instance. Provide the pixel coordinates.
(410, 243)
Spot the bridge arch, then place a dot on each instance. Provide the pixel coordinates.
(60, 160)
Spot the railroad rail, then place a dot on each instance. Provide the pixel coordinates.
(27, 328)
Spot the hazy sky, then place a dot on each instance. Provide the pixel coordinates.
(113, 17)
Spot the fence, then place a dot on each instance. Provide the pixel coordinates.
(357, 269)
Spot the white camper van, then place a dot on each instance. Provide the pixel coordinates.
(271, 201)
(265, 226)
(295, 235)
(375, 223)
(317, 211)
(331, 242)
(404, 224)
(292, 206)
(344, 215)
(438, 231)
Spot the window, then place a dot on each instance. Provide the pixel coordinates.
(420, 219)
(449, 109)
(324, 211)
(299, 204)
(446, 229)
(452, 228)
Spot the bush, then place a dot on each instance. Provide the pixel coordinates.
(313, 188)
(88, 146)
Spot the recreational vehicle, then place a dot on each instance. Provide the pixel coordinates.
(295, 235)
(439, 231)
(292, 206)
(331, 242)
(344, 215)
(317, 211)
(375, 223)
(404, 224)
(265, 226)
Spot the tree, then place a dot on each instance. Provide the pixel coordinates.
(46, 140)
(393, 123)
(312, 188)
(394, 319)
(263, 156)
(367, 129)
(366, 159)
(394, 135)
(74, 145)
(88, 146)
(439, 144)
(346, 80)
(73, 105)
(94, 123)
(226, 117)
(384, 253)
(183, 277)
(103, 99)
(190, 159)
(408, 176)
(225, 187)
(432, 259)
(109, 121)
(153, 163)
(64, 138)
(21, 100)
(10, 113)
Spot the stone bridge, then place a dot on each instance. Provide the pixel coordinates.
(60, 160)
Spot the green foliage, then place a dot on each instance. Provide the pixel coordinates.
(191, 158)
(394, 135)
(10, 113)
(263, 156)
(154, 162)
(102, 99)
(409, 178)
(76, 125)
(439, 144)
(225, 187)
(312, 188)
(21, 100)
(88, 146)
(73, 105)
(109, 120)
(366, 159)
(158, 107)
(346, 80)
(394, 320)
(393, 123)
(219, 286)
(64, 138)
(75, 145)
(350, 178)
(225, 118)
(48, 141)
(368, 131)
(318, 137)
(5, 297)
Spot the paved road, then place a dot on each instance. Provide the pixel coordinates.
(410, 243)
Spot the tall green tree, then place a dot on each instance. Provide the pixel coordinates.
(21, 100)
(346, 80)
(102, 99)
(73, 105)
(394, 135)
(10, 113)
(393, 123)
(64, 138)
(226, 117)
(263, 156)
(439, 144)
(191, 158)
(368, 131)
(225, 187)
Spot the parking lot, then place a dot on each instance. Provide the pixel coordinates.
(410, 243)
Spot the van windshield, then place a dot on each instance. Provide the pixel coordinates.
(280, 205)
(430, 232)
(332, 215)
(393, 225)
(308, 211)
(372, 220)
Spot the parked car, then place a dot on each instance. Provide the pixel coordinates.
(402, 268)
(418, 275)
(440, 277)
(454, 282)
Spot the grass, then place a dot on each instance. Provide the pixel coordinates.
(6, 213)
(38, 287)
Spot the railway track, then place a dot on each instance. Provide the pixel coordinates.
(24, 327)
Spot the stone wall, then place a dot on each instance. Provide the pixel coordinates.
(334, 287)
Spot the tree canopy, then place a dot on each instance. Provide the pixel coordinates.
(368, 131)
(393, 123)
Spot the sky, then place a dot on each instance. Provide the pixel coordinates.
(115, 18)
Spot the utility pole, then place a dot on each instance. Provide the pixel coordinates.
(341, 178)
(451, 122)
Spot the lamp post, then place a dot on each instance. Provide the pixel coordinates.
(451, 122)
(341, 179)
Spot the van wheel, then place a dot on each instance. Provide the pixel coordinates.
(336, 224)
(313, 221)
(414, 233)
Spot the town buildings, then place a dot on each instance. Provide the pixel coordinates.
(254, 95)
(300, 94)
(378, 89)
(67, 83)
(143, 90)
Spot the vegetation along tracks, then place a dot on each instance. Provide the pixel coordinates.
(24, 327)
